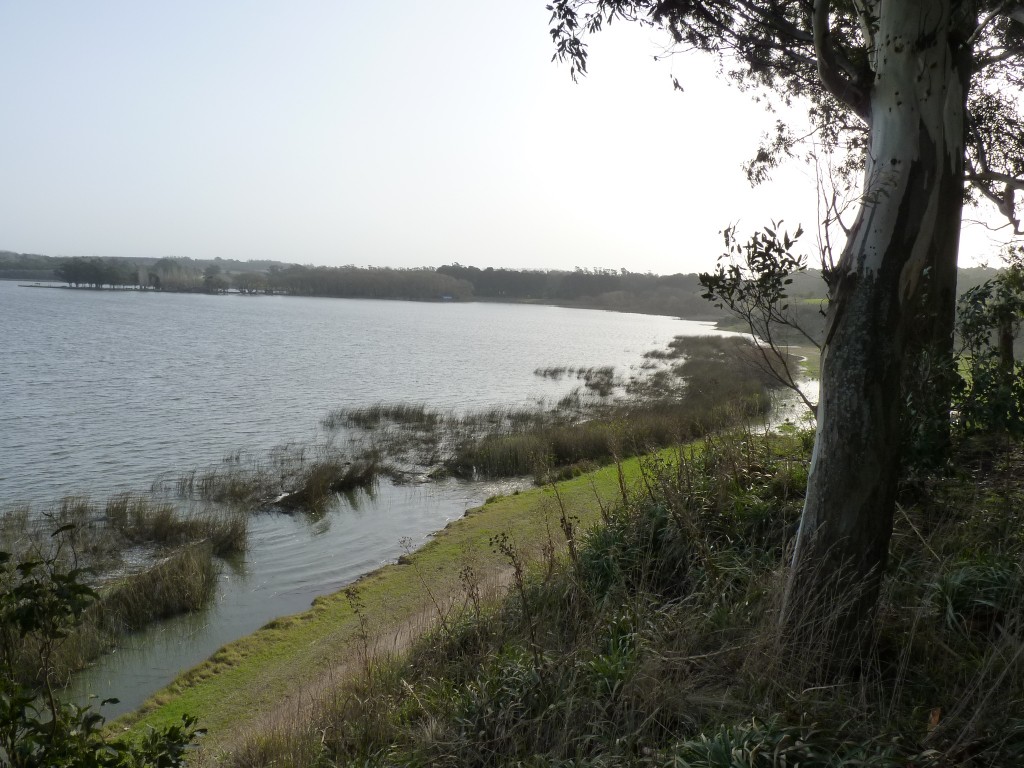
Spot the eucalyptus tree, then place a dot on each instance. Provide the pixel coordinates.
(924, 96)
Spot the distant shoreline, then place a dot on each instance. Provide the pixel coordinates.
(718, 319)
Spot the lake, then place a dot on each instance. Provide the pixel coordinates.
(103, 391)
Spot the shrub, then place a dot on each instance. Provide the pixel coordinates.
(41, 603)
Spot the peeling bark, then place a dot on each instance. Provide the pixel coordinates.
(893, 300)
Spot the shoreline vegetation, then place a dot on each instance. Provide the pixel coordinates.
(678, 295)
(698, 384)
(146, 559)
(627, 617)
(156, 555)
(616, 290)
(628, 613)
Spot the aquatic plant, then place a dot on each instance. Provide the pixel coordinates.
(42, 605)
(145, 559)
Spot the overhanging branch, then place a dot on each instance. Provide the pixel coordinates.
(1007, 203)
(983, 24)
(829, 69)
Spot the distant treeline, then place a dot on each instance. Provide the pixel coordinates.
(619, 290)
(34, 266)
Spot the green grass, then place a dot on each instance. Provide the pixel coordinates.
(256, 672)
(649, 638)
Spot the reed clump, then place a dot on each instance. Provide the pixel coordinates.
(290, 477)
(712, 382)
(239, 480)
(715, 386)
(323, 480)
(415, 415)
(181, 582)
(145, 559)
(652, 640)
(555, 372)
(141, 520)
(598, 379)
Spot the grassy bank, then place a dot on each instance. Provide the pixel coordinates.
(149, 560)
(642, 632)
(680, 395)
(264, 674)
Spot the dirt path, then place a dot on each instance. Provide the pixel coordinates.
(300, 704)
(280, 671)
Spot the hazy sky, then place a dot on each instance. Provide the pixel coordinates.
(406, 133)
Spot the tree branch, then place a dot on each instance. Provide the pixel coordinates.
(1000, 178)
(829, 69)
(983, 24)
(989, 59)
(780, 23)
(1007, 204)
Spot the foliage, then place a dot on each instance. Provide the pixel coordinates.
(770, 745)
(619, 290)
(752, 282)
(989, 319)
(41, 602)
(824, 52)
(653, 642)
(974, 595)
(365, 283)
(97, 272)
(858, 68)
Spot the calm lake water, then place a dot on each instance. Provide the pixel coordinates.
(106, 391)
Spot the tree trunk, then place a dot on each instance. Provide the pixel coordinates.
(893, 299)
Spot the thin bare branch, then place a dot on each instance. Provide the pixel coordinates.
(983, 24)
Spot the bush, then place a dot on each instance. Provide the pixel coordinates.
(988, 320)
(41, 603)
